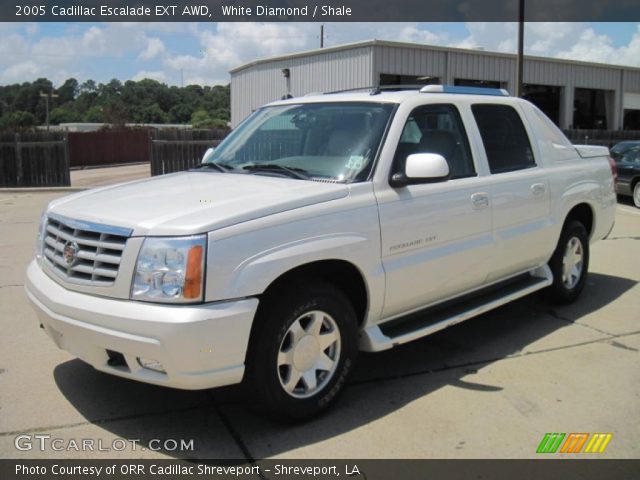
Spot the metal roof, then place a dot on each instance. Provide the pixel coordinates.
(389, 43)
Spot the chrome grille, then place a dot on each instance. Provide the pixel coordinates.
(95, 250)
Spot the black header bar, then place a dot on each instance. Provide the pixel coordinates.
(317, 11)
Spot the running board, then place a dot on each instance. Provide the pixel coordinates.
(431, 319)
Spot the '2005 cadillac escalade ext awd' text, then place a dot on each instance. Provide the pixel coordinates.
(321, 226)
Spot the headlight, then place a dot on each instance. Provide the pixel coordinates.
(170, 270)
(41, 235)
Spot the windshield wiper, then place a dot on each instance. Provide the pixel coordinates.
(221, 167)
(293, 172)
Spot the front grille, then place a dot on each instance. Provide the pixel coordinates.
(83, 252)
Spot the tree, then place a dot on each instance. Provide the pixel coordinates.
(115, 113)
(18, 120)
(68, 91)
(151, 114)
(94, 115)
(180, 113)
(201, 119)
(115, 102)
(64, 114)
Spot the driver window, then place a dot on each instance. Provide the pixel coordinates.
(436, 129)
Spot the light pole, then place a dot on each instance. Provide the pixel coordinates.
(46, 101)
(520, 57)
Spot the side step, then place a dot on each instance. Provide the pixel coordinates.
(431, 319)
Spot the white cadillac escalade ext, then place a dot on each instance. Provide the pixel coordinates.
(321, 226)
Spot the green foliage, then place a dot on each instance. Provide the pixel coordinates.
(201, 119)
(94, 115)
(17, 120)
(151, 114)
(114, 102)
(64, 114)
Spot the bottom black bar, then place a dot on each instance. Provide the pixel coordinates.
(548, 469)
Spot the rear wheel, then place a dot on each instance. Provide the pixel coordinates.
(302, 350)
(569, 264)
(636, 194)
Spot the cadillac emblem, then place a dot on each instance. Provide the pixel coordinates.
(70, 253)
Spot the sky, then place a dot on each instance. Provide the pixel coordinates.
(203, 53)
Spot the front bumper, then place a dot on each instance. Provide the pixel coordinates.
(199, 346)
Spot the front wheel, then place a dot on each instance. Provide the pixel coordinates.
(302, 350)
(569, 264)
(636, 194)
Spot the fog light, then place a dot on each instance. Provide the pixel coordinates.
(150, 364)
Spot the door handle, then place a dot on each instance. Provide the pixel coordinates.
(480, 200)
(538, 188)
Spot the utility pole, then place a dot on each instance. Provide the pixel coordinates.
(46, 102)
(322, 35)
(520, 57)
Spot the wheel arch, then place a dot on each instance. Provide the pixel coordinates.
(583, 213)
(340, 273)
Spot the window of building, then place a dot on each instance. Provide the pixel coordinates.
(546, 98)
(589, 109)
(436, 129)
(505, 139)
(631, 120)
(390, 79)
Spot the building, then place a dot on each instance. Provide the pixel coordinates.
(573, 94)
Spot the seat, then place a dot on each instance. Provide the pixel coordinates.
(441, 142)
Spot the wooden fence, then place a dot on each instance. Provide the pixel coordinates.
(109, 147)
(177, 150)
(34, 159)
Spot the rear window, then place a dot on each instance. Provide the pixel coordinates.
(505, 139)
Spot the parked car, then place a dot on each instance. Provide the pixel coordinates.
(319, 227)
(619, 149)
(628, 181)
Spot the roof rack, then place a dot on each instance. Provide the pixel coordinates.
(500, 92)
(376, 89)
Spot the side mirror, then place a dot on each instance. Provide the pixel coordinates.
(207, 155)
(422, 168)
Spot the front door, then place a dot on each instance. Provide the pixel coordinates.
(436, 237)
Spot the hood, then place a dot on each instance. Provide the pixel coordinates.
(193, 202)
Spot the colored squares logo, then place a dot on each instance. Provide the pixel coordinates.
(574, 443)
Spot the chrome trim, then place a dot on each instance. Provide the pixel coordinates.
(91, 226)
(98, 253)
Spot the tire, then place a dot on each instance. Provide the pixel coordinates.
(636, 194)
(287, 355)
(569, 264)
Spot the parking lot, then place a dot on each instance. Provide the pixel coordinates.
(487, 388)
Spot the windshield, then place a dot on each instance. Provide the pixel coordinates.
(623, 147)
(334, 141)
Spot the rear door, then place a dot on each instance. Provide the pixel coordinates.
(518, 187)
